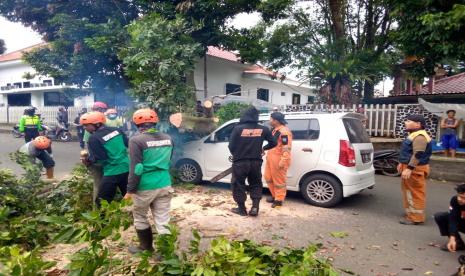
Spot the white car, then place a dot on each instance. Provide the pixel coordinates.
(332, 156)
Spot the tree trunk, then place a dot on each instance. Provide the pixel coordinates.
(368, 90)
(337, 8)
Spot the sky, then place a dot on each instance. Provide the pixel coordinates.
(17, 37)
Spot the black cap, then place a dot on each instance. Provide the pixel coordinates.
(417, 118)
(278, 116)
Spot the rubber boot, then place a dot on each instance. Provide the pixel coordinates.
(240, 210)
(255, 207)
(145, 241)
(277, 203)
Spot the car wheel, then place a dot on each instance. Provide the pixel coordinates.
(189, 171)
(321, 190)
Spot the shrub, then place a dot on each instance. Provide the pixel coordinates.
(230, 111)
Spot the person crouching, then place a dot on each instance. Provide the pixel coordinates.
(41, 149)
(149, 183)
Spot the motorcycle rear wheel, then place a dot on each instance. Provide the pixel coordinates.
(65, 137)
(390, 168)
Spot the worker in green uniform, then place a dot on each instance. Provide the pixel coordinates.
(149, 178)
(107, 147)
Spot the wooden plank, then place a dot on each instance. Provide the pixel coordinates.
(395, 121)
(383, 112)
(370, 121)
(376, 120)
(389, 111)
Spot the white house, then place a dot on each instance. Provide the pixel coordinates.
(39, 91)
(226, 74)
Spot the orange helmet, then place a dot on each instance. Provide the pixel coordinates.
(145, 115)
(93, 117)
(111, 111)
(41, 142)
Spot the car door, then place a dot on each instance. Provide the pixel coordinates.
(216, 152)
(305, 148)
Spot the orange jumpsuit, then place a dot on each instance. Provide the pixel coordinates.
(278, 161)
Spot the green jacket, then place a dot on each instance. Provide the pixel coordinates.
(108, 146)
(27, 121)
(150, 154)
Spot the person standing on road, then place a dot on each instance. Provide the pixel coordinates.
(452, 222)
(107, 147)
(245, 145)
(449, 133)
(30, 124)
(278, 160)
(62, 117)
(415, 153)
(79, 128)
(149, 178)
(96, 168)
(41, 149)
(112, 118)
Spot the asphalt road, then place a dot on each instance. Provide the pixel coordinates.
(376, 243)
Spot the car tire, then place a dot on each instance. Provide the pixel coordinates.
(321, 190)
(189, 171)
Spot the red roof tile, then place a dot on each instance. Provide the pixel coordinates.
(449, 85)
(19, 54)
(256, 69)
(220, 53)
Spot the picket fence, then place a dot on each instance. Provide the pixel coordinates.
(380, 119)
(12, 114)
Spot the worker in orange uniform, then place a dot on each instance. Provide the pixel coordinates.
(278, 160)
(415, 153)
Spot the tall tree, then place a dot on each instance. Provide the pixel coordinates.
(82, 36)
(158, 62)
(431, 32)
(343, 44)
(85, 37)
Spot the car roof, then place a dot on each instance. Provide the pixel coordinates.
(308, 115)
(305, 115)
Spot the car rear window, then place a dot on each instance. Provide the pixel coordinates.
(356, 131)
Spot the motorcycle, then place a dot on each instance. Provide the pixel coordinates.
(16, 133)
(57, 133)
(386, 162)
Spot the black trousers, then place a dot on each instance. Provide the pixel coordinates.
(46, 159)
(252, 171)
(80, 133)
(442, 220)
(30, 134)
(108, 185)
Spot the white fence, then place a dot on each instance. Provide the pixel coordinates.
(48, 114)
(381, 119)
